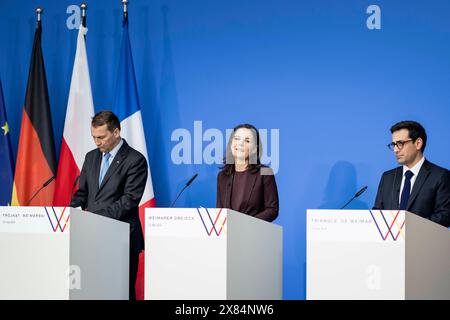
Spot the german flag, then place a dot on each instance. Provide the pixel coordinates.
(36, 158)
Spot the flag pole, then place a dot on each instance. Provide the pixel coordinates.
(125, 9)
(83, 7)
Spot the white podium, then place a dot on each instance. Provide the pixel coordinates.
(373, 254)
(62, 253)
(211, 254)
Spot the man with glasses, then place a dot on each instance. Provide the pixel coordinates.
(417, 186)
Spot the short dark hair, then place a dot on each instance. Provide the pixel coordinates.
(415, 130)
(106, 117)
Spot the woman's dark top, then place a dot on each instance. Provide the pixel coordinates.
(248, 192)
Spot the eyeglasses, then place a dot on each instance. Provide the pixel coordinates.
(398, 144)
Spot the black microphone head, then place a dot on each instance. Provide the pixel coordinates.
(48, 181)
(187, 185)
(192, 179)
(360, 192)
(76, 181)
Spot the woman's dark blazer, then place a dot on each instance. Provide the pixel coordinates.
(261, 198)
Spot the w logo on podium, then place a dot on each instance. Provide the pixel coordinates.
(57, 218)
(212, 221)
(389, 223)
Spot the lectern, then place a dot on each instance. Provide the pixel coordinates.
(373, 254)
(200, 253)
(62, 253)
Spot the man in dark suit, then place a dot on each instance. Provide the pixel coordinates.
(112, 182)
(418, 186)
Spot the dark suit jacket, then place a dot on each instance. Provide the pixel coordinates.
(261, 197)
(121, 190)
(430, 196)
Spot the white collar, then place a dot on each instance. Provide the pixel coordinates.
(416, 168)
(116, 149)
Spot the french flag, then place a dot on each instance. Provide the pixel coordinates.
(77, 140)
(127, 108)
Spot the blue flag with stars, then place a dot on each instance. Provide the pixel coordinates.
(6, 156)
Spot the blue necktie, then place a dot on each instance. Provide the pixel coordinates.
(104, 168)
(406, 190)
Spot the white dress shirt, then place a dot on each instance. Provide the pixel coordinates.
(114, 152)
(414, 170)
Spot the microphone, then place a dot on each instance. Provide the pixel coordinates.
(75, 183)
(360, 192)
(185, 186)
(46, 183)
(192, 179)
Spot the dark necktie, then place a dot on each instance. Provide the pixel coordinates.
(406, 190)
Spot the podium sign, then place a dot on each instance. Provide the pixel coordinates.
(211, 254)
(62, 253)
(373, 254)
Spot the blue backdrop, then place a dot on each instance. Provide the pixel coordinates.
(311, 69)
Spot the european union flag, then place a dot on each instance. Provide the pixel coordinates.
(6, 156)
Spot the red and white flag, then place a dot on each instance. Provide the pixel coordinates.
(77, 140)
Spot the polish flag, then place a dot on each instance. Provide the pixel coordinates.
(77, 140)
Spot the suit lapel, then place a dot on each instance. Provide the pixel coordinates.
(97, 164)
(423, 175)
(229, 187)
(397, 184)
(116, 163)
(252, 182)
